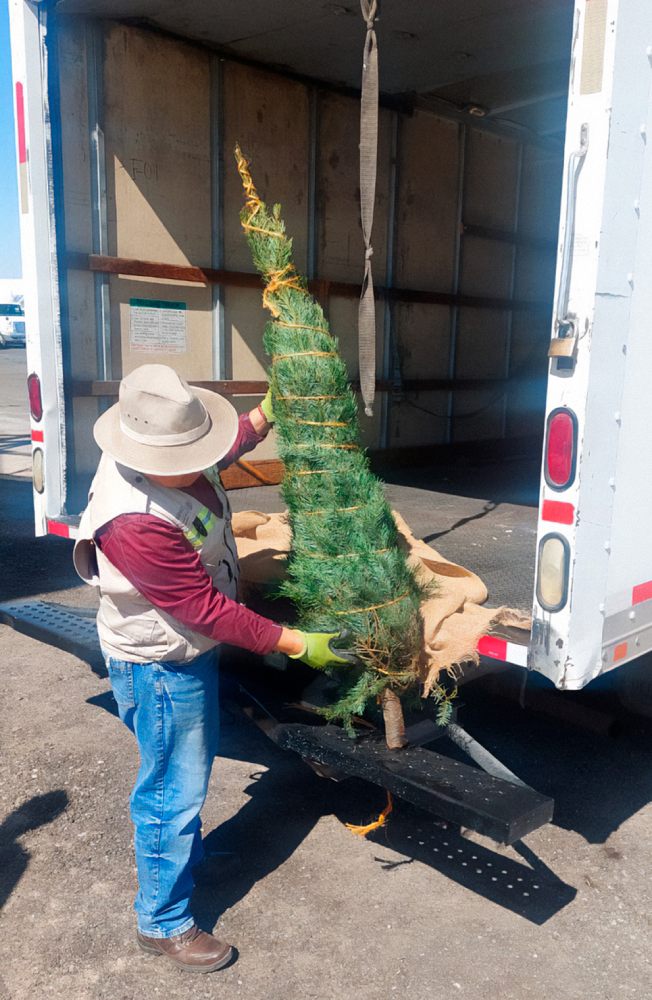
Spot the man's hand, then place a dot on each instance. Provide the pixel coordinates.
(267, 407)
(262, 416)
(320, 649)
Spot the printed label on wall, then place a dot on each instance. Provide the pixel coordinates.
(157, 327)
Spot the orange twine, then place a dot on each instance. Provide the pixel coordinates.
(327, 444)
(373, 607)
(302, 326)
(314, 472)
(286, 277)
(301, 354)
(362, 831)
(345, 555)
(329, 510)
(311, 397)
(320, 423)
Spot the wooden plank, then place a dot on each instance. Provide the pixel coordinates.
(239, 477)
(234, 387)
(322, 288)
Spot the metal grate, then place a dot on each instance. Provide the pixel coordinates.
(446, 787)
(70, 629)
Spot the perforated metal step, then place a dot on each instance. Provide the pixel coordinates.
(67, 628)
(452, 790)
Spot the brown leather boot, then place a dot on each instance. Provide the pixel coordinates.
(194, 950)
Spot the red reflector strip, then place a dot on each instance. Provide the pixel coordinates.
(56, 528)
(558, 511)
(23, 181)
(643, 592)
(620, 652)
(491, 646)
(37, 436)
(20, 124)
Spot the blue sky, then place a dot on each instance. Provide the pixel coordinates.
(10, 241)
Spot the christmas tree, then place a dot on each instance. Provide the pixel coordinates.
(345, 570)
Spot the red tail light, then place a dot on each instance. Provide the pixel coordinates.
(34, 393)
(561, 448)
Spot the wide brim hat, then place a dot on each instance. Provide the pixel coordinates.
(165, 427)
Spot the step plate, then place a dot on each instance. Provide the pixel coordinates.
(70, 629)
(452, 790)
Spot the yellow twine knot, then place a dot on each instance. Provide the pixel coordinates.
(362, 831)
(285, 277)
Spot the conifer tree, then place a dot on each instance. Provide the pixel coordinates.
(345, 569)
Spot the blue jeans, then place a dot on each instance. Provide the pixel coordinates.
(172, 709)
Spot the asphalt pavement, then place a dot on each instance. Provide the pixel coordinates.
(418, 910)
(15, 445)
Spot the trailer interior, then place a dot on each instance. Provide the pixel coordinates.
(148, 99)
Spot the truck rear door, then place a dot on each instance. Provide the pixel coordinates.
(593, 600)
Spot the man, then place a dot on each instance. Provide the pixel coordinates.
(156, 539)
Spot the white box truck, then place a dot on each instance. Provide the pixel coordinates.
(513, 250)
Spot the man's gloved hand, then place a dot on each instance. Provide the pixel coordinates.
(320, 649)
(267, 407)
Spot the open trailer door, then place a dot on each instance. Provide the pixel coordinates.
(40, 266)
(593, 599)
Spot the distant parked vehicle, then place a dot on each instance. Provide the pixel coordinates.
(12, 325)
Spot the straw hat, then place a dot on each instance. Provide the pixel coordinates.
(163, 426)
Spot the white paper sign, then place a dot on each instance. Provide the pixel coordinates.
(157, 327)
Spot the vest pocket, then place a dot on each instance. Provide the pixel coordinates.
(121, 675)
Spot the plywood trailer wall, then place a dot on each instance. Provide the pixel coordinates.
(459, 211)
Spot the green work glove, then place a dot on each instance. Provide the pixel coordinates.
(267, 407)
(319, 650)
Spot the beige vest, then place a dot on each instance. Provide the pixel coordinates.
(129, 626)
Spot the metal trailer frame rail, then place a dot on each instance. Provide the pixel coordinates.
(496, 804)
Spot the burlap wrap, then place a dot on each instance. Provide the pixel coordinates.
(454, 620)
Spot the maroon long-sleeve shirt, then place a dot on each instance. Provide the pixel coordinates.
(162, 565)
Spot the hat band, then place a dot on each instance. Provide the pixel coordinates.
(168, 440)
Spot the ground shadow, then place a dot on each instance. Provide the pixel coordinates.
(288, 799)
(10, 441)
(529, 889)
(598, 781)
(38, 565)
(105, 701)
(501, 480)
(14, 858)
(487, 509)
